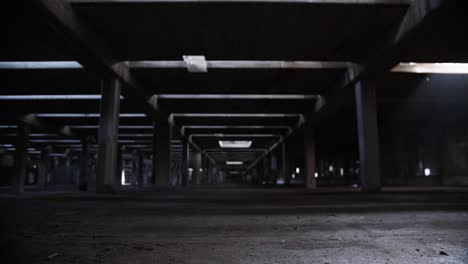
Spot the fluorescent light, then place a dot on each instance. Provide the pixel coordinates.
(316, 175)
(240, 64)
(234, 162)
(441, 68)
(37, 65)
(120, 127)
(235, 135)
(235, 127)
(52, 97)
(235, 143)
(234, 115)
(298, 170)
(238, 96)
(55, 140)
(8, 126)
(84, 115)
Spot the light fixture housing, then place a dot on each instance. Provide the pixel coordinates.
(235, 143)
(234, 162)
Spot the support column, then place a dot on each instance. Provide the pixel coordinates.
(366, 110)
(185, 161)
(162, 154)
(309, 158)
(44, 167)
(21, 158)
(284, 167)
(197, 166)
(108, 136)
(140, 169)
(83, 181)
(266, 170)
(118, 173)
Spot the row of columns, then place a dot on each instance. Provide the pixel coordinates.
(109, 164)
(368, 140)
(368, 143)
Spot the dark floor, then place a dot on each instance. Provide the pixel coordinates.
(235, 225)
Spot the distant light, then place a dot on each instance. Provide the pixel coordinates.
(8, 126)
(330, 168)
(53, 97)
(298, 170)
(122, 177)
(234, 162)
(341, 171)
(33, 65)
(293, 176)
(427, 172)
(57, 154)
(436, 68)
(235, 143)
(201, 170)
(190, 169)
(280, 181)
(316, 175)
(6, 145)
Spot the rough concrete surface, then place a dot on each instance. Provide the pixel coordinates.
(234, 225)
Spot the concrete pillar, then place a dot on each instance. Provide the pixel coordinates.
(118, 173)
(197, 173)
(21, 158)
(284, 167)
(162, 154)
(140, 169)
(266, 170)
(83, 181)
(185, 162)
(108, 136)
(309, 158)
(366, 110)
(44, 167)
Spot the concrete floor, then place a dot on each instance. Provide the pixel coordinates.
(234, 225)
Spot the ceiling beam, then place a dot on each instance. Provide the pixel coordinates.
(381, 59)
(354, 2)
(91, 51)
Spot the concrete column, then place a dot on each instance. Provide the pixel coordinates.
(185, 161)
(266, 170)
(284, 167)
(309, 158)
(118, 173)
(196, 168)
(21, 158)
(44, 167)
(83, 181)
(140, 169)
(108, 136)
(162, 154)
(366, 110)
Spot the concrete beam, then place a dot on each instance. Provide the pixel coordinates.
(381, 59)
(354, 2)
